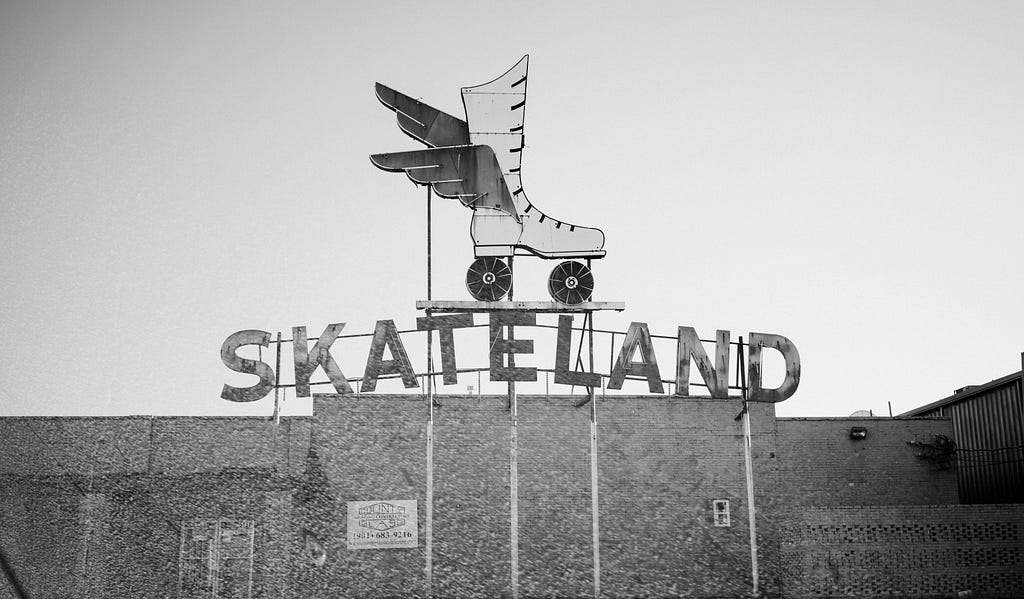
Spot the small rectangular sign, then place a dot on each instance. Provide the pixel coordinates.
(387, 524)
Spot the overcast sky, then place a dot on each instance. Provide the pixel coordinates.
(846, 174)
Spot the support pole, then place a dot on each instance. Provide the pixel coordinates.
(594, 504)
(277, 383)
(511, 336)
(749, 474)
(513, 485)
(514, 492)
(429, 282)
(429, 527)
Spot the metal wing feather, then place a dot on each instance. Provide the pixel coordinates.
(470, 173)
(422, 122)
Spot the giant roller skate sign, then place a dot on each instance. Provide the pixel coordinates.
(477, 161)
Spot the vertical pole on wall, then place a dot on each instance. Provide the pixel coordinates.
(514, 493)
(429, 526)
(749, 472)
(611, 353)
(428, 245)
(513, 486)
(511, 336)
(594, 505)
(277, 383)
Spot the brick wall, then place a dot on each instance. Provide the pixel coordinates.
(472, 537)
(370, 447)
(57, 446)
(96, 507)
(122, 538)
(555, 523)
(819, 464)
(661, 462)
(907, 551)
(42, 538)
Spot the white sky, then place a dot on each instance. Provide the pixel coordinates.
(848, 175)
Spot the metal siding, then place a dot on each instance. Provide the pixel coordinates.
(994, 421)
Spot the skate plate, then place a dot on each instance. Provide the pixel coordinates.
(516, 306)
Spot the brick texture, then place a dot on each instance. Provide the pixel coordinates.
(471, 497)
(555, 523)
(906, 551)
(96, 507)
(662, 463)
(820, 464)
(371, 447)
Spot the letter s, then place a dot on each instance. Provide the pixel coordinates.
(246, 366)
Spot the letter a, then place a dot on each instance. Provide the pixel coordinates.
(637, 337)
(386, 335)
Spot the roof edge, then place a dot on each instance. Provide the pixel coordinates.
(967, 393)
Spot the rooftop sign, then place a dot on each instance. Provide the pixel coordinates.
(478, 162)
(636, 358)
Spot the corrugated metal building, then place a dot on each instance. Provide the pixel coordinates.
(988, 429)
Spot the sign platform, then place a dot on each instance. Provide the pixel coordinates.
(516, 306)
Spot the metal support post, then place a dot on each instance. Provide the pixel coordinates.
(429, 527)
(748, 463)
(594, 504)
(513, 459)
(277, 383)
(514, 492)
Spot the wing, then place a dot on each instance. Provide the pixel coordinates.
(470, 173)
(424, 123)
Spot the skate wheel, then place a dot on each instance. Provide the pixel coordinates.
(488, 279)
(571, 283)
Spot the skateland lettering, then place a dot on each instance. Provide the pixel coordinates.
(636, 358)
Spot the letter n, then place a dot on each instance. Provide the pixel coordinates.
(717, 379)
